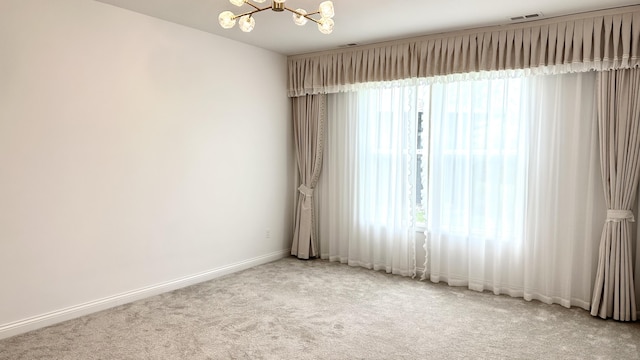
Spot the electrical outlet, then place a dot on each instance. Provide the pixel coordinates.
(267, 234)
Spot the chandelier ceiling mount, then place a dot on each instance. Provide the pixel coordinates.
(246, 22)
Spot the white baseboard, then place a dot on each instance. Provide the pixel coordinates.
(54, 317)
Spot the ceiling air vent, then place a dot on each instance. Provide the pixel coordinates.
(526, 17)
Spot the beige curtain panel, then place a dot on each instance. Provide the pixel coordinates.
(603, 40)
(619, 128)
(308, 131)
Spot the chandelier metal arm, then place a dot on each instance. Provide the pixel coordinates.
(257, 10)
(308, 16)
(255, 6)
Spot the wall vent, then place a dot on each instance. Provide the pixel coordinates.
(527, 17)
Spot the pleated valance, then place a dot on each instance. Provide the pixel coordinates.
(602, 40)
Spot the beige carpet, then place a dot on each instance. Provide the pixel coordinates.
(293, 309)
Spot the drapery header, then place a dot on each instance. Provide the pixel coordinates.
(602, 40)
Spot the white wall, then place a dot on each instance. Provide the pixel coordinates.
(131, 160)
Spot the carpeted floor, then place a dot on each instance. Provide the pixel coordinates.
(292, 309)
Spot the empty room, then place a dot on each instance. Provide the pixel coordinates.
(311, 179)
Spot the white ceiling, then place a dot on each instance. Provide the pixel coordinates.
(356, 21)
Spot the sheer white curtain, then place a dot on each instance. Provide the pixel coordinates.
(515, 206)
(565, 204)
(477, 184)
(514, 200)
(366, 194)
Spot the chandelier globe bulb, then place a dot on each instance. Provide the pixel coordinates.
(300, 20)
(325, 25)
(326, 9)
(226, 19)
(246, 23)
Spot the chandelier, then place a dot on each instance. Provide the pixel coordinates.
(246, 22)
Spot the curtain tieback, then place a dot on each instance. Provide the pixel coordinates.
(306, 191)
(620, 215)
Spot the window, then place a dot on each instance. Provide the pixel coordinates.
(470, 157)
